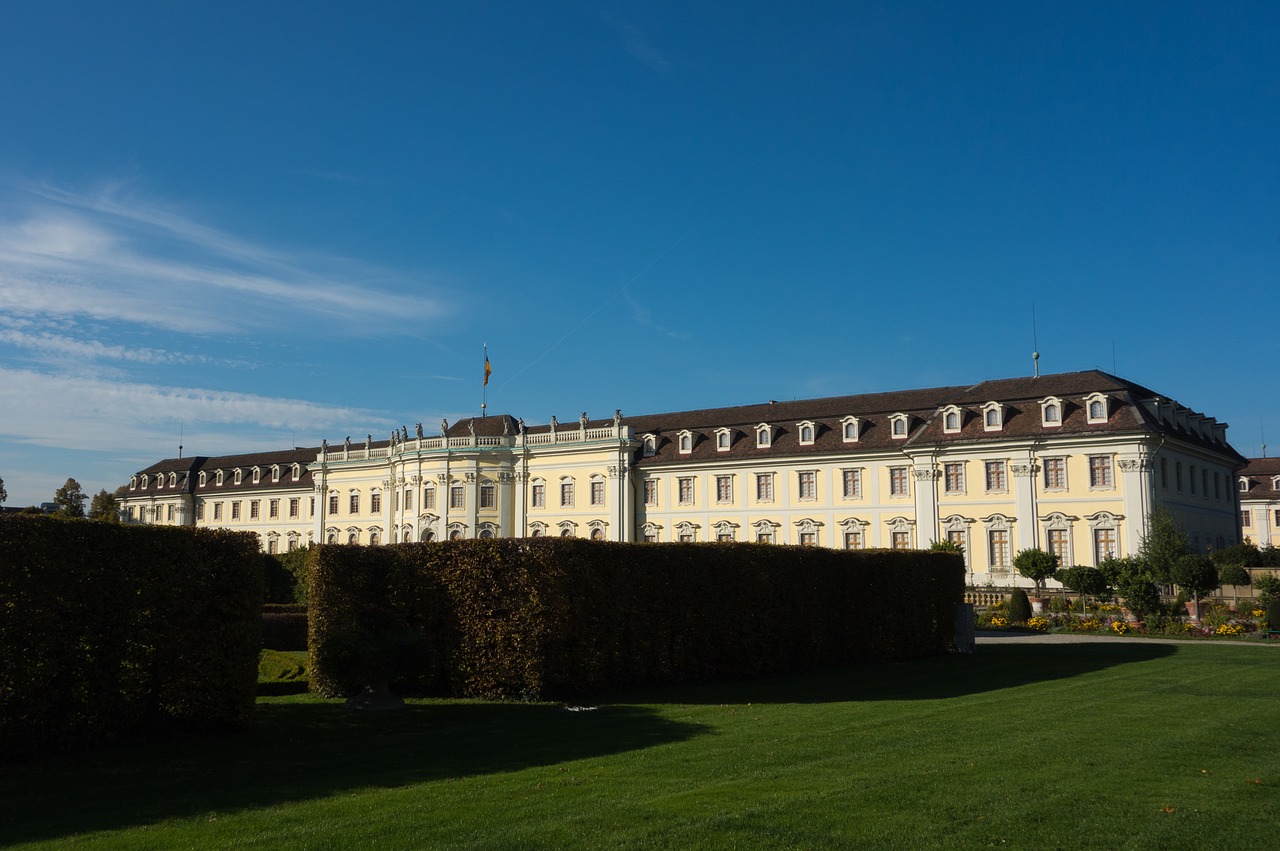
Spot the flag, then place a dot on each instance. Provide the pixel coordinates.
(487, 369)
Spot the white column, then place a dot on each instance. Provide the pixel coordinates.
(1024, 501)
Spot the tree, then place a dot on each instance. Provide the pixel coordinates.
(105, 507)
(1268, 587)
(70, 499)
(1037, 565)
(1245, 555)
(1234, 575)
(1165, 542)
(1140, 595)
(1196, 575)
(1085, 581)
(4, 494)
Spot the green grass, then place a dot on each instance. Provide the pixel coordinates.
(1104, 745)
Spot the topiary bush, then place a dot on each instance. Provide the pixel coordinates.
(1019, 607)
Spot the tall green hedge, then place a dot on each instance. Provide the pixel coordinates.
(108, 630)
(566, 618)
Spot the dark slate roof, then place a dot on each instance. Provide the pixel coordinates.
(1261, 472)
(188, 472)
(1019, 398)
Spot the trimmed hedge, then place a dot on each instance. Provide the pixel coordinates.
(109, 630)
(284, 626)
(555, 618)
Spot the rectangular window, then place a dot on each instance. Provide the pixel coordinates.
(408, 500)
(1217, 486)
(488, 495)
(898, 481)
(353, 503)
(808, 481)
(566, 494)
(651, 492)
(1246, 518)
(1204, 481)
(650, 538)
(902, 540)
(1277, 518)
(294, 506)
(852, 484)
(1057, 539)
(1164, 472)
(597, 493)
(998, 545)
(457, 496)
(953, 477)
(273, 509)
(956, 536)
(764, 536)
(313, 507)
(254, 510)
(538, 495)
(1104, 545)
(1177, 475)
(764, 487)
(199, 510)
(168, 514)
(724, 488)
(853, 540)
(724, 537)
(1100, 471)
(685, 486)
(273, 545)
(996, 480)
(1055, 473)
(375, 502)
(1191, 479)
(235, 510)
(808, 539)
(429, 497)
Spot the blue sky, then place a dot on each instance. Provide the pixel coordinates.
(260, 225)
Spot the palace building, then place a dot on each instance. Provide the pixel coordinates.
(1071, 463)
(1259, 484)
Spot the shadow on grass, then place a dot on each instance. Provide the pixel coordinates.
(306, 750)
(991, 668)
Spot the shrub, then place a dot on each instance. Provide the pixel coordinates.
(1141, 596)
(284, 627)
(1019, 606)
(1271, 614)
(556, 618)
(1037, 565)
(111, 631)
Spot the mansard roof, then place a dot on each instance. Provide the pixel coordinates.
(1132, 408)
(1261, 473)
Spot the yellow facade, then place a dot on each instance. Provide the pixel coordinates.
(1072, 464)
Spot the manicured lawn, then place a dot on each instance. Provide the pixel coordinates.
(1126, 745)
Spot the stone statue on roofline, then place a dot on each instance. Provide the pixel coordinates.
(418, 429)
(444, 427)
(582, 420)
(506, 426)
(617, 417)
(520, 425)
(346, 444)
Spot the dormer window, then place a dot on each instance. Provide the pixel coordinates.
(992, 416)
(898, 426)
(257, 475)
(239, 475)
(133, 483)
(951, 420)
(1244, 484)
(173, 480)
(1096, 405)
(275, 472)
(805, 430)
(219, 476)
(1051, 412)
(1275, 483)
(685, 441)
(849, 428)
(146, 480)
(650, 444)
(724, 439)
(297, 471)
(764, 436)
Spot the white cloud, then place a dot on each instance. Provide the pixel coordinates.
(63, 346)
(63, 254)
(94, 414)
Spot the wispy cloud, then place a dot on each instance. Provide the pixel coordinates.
(89, 413)
(637, 44)
(59, 345)
(96, 255)
(643, 316)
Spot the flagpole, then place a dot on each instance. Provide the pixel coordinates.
(484, 401)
